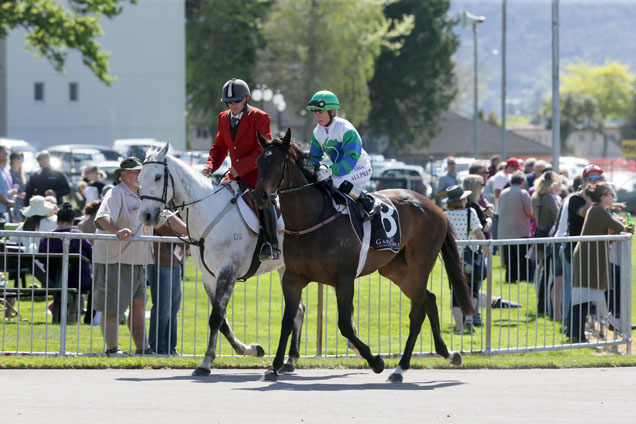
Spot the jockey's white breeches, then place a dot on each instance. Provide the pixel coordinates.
(359, 175)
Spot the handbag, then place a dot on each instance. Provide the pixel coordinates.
(474, 261)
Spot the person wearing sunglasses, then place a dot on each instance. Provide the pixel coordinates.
(237, 129)
(350, 165)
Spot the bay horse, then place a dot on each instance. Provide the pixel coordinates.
(330, 254)
(224, 243)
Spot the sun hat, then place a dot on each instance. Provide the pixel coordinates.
(456, 192)
(38, 206)
(592, 169)
(128, 164)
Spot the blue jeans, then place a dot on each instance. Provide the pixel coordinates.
(165, 290)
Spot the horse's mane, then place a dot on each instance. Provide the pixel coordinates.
(151, 155)
(301, 157)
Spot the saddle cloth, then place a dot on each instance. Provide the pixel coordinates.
(251, 219)
(381, 233)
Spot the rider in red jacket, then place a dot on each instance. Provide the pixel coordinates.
(237, 135)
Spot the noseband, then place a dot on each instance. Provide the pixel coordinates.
(164, 193)
(278, 190)
(166, 174)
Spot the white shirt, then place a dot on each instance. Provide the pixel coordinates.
(122, 205)
(562, 225)
(32, 244)
(501, 179)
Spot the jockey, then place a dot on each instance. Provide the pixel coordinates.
(237, 135)
(338, 138)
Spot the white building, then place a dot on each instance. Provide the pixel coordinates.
(586, 143)
(147, 42)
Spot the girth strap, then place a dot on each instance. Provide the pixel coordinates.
(201, 242)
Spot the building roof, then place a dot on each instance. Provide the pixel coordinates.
(456, 138)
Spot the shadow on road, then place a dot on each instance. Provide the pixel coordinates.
(301, 383)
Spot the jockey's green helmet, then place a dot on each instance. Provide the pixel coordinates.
(323, 100)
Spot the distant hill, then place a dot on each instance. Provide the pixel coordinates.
(589, 30)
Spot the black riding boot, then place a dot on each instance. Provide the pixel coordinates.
(370, 207)
(269, 250)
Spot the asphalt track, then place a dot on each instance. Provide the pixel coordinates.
(599, 395)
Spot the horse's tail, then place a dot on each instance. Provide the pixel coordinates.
(455, 274)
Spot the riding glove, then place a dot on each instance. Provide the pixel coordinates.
(324, 173)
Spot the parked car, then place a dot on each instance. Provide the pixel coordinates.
(626, 193)
(137, 147)
(70, 159)
(29, 164)
(108, 153)
(461, 167)
(197, 159)
(411, 177)
(573, 164)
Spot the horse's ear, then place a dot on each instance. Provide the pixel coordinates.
(262, 140)
(287, 137)
(164, 150)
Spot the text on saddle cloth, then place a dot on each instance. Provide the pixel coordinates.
(385, 226)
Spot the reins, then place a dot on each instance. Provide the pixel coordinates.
(293, 189)
(190, 241)
(164, 194)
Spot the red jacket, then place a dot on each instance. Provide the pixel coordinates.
(245, 149)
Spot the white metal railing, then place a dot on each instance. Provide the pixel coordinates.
(381, 310)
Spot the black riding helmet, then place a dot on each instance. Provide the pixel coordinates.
(234, 90)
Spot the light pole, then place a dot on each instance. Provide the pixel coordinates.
(470, 19)
(263, 94)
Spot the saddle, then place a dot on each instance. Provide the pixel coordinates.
(381, 233)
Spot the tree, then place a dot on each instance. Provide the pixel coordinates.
(578, 111)
(327, 44)
(53, 29)
(412, 85)
(222, 41)
(628, 131)
(610, 84)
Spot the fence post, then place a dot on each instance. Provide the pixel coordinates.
(489, 299)
(66, 243)
(626, 291)
(319, 321)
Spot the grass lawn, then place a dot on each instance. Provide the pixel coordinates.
(383, 325)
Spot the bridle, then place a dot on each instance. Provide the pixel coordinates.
(278, 191)
(291, 189)
(164, 193)
(166, 174)
(163, 200)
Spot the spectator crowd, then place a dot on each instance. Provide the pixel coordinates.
(112, 270)
(513, 199)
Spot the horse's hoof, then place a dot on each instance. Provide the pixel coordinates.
(455, 358)
(379, 365)
(201, 372)
(270, 376)
(395, 378)
(287, 369)
(260, 352)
